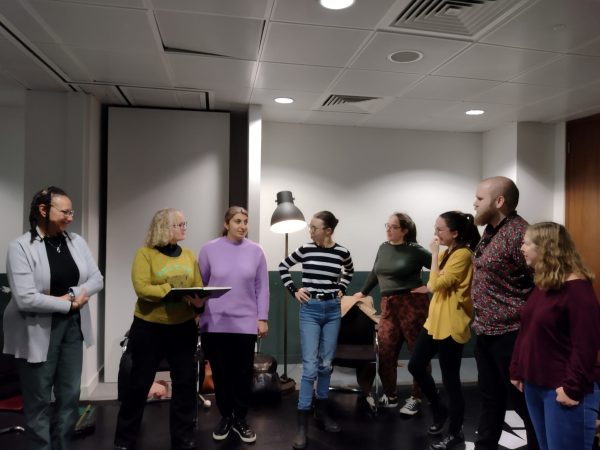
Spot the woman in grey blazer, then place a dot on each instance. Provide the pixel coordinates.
(52, 275)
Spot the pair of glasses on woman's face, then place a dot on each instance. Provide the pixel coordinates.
(66, 212)
(180, 225)
(391, 226)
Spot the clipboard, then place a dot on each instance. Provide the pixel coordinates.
(176, 294)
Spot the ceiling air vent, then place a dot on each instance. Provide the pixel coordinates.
(351, 103)
(462, 18)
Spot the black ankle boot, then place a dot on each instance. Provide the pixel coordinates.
(323, 418)
(300, 439)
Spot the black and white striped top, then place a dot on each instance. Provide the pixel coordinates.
(324, 270)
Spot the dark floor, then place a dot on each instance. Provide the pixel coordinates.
(274, 424)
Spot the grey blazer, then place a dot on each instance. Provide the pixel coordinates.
(28, 316)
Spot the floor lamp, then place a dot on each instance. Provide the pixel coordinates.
(286, 218)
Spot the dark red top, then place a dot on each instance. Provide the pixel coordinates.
(559, 340)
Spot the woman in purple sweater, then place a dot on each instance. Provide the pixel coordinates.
(230, 324)
(555, 356)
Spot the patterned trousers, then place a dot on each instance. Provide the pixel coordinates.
(402, 318)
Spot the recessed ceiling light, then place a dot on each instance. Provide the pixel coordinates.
(284, 100)
(405, 56)
(336, 4)
(475, 112)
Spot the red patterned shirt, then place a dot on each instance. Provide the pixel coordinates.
(502, 280)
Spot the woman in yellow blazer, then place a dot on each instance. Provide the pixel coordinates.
(446, 329)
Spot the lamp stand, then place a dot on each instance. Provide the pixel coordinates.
(287, 384)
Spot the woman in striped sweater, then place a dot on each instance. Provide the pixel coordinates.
(327, 270)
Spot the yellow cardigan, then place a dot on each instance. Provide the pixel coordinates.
(451, 309)
(153, 274)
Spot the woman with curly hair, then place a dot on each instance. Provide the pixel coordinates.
(555, 357)
(162, 328)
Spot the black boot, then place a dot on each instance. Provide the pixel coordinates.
(323, 418)
(302, 421)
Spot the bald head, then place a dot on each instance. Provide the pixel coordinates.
(503, 187)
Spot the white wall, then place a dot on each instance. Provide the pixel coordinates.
(536, 171)
(158, 159)
(363, 175)
(500, 152)
(12, 164)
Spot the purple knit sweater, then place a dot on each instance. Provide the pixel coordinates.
(241, 265)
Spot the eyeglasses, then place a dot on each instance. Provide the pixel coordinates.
(391, 226)
(181, 225)
(312, 229)
(440, 230)
(66, 212)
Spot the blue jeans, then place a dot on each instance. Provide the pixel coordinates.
(319, 327)
(558, 427)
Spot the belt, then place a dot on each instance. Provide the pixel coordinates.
(325, 296)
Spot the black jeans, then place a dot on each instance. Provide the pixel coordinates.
(231, 358)
(150, 343)
(450, 356)
(493, 354)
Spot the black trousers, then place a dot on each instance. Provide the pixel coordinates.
(450, 356)
(150, 343)
(493, 354)
(231, 358)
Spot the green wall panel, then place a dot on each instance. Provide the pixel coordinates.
(273, 343)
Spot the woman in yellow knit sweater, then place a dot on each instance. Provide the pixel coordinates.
(446, 329)
(162, 328)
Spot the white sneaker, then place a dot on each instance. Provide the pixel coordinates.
(388, 402)
(411, 407)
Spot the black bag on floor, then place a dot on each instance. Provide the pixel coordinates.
(265, 382)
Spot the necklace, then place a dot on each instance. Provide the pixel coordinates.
(55, 247)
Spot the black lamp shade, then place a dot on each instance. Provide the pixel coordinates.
(286, 218)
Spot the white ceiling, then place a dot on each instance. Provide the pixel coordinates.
(529, 60)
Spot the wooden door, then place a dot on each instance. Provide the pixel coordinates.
(582, 189)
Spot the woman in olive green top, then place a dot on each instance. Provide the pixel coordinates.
(397, 270)
(162, 329)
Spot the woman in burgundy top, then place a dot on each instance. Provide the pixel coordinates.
(555, 356)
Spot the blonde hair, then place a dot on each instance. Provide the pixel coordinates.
(557, 256)
(160, 230)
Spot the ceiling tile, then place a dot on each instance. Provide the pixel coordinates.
(514, 94)
(489, 62)
(371, 83)
(362, 14)
(30, 72)
(166, 98)
(204, 72)
(448, 88)
(238, 8)
(97, 27)
(140, 4)
(435, 52)
(591, 48)
(312, 45)
(552, 25)
(294, 76)
(564, 72)
(410, 111)
(302, 100)
(217, 35)
(20, 19)
(64, 59)
(108, 95)
(135, 68)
